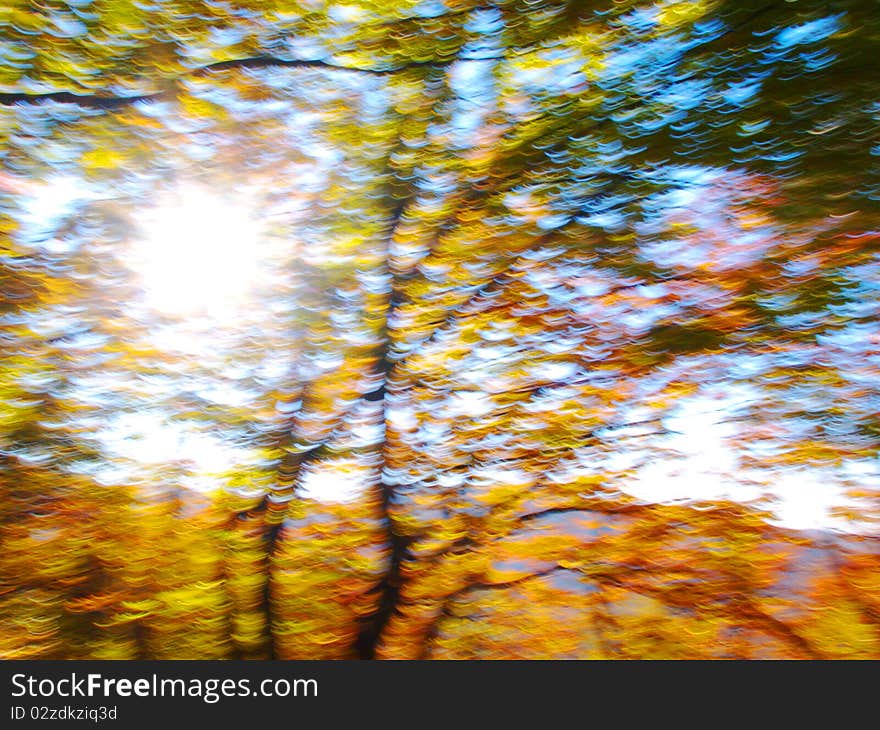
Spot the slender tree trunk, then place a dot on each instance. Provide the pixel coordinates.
(369, 638)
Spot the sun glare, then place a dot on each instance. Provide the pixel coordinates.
(198, 255)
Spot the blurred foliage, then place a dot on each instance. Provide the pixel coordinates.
(512, 248)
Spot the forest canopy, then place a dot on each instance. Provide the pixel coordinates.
(439, 329)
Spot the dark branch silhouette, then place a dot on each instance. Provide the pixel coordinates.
(106, 102)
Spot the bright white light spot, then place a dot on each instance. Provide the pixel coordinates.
(198, 254)
(805, 501)
(705, 460)
(148, 440)
(343, 480)
(52, 199)
(708, 470)
(470, 403)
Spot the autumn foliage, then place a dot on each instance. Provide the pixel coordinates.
(562, 339)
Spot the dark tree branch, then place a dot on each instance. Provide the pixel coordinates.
(86, 101)
(390, 585)
(109, 103)
(782, 630)
(273, 62)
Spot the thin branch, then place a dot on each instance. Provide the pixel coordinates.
(389, 586)
(273, 62)
(108, 103)
(86, 101)
(105, 102)
(782, 630)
